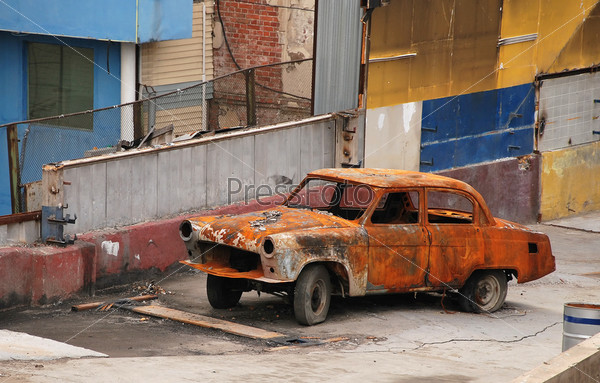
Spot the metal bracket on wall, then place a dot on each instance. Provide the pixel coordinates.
(53, 222)
(427, 163)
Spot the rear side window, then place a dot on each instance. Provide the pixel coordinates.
(447, 207)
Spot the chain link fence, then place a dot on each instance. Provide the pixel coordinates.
(259, 96)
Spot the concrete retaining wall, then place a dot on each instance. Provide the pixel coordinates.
(42, 275)
(579, 364)
(47, 274)
(135, 186)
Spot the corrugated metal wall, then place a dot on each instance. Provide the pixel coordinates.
(477, 127)
(337, 55)
(131, 188)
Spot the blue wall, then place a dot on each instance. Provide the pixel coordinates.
(50, 143)
(477, 127)
(101, 20)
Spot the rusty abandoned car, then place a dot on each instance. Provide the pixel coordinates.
(356, 232)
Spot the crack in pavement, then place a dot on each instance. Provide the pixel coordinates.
(487, 340)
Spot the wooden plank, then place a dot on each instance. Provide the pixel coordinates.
(204, 321)
(93, 305)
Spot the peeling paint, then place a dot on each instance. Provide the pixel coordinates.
(110, 248)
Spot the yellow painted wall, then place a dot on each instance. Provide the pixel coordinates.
(457, 45)
(570, 181)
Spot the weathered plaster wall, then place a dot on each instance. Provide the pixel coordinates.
(570, 181)
(296, 33)
(510, 187)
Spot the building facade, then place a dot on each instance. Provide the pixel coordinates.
(71, 56)
(501, 94)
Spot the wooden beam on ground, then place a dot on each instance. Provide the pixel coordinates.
(204, 321)
(93, 305)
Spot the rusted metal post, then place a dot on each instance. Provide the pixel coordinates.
(13, 168)
(138, 129)
(250, 97)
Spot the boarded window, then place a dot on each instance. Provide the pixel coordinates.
(60, 81)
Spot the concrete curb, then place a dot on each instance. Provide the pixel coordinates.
(577, 364)
(47, 274)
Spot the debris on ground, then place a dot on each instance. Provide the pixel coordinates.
(150, 288)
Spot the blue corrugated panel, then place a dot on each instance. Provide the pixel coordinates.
(114, 20)
(478, 127)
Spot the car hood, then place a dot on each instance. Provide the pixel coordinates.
(247, 231)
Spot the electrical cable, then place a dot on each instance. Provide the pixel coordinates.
(217, 2)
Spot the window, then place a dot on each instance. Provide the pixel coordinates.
(400, 208)
(341, 199)
(448, 207)
(60, 81)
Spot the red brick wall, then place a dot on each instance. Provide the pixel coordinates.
(251, 28)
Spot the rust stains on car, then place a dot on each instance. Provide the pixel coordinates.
(374, 231)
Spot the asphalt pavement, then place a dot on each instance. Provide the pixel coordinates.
(379, 339)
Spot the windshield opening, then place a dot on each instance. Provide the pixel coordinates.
(344, 200)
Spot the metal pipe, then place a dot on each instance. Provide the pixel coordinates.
(14, 173)
(204, 103)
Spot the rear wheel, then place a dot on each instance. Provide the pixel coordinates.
(222, 292)
(484, 292)
(312, 295)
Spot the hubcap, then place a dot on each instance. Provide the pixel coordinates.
(487, 292)
(316, 298)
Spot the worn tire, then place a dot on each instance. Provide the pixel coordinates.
(484, 292)
(221, 292)
(312, 295)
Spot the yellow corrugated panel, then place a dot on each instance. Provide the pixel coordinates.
(178, 61)
(557, 24)
(454, 43)
(583, 49)
(570, 181)
(517, 64)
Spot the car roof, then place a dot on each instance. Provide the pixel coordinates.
(389, 178)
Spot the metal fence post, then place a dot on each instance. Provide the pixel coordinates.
(138, 129)
(250, 97)
(12, 140)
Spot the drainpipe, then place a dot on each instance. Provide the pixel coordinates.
(128, 68)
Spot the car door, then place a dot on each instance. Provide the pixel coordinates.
(398, 243)
(457, 247)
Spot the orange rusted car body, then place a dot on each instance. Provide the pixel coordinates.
(435, 235)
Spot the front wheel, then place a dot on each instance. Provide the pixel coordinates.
(221, 292)
(312, 295)
(484, 292)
